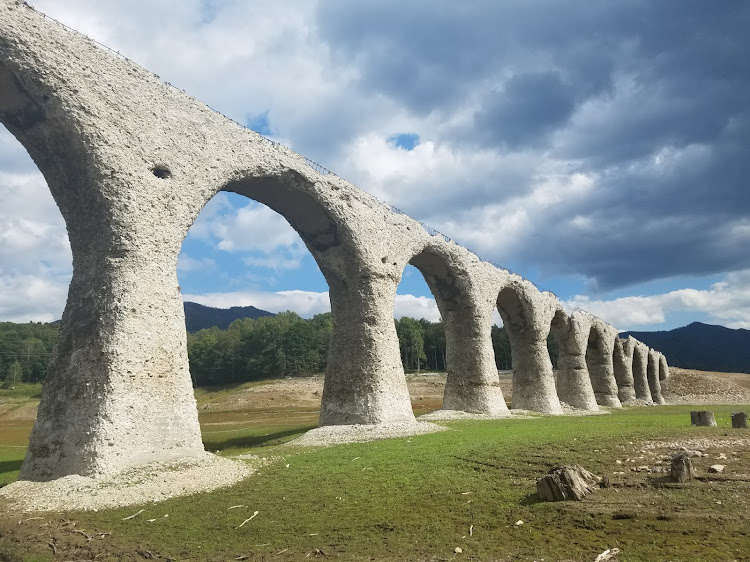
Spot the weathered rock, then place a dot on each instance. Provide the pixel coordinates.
(739, 420)
(566, 483)
(716, 468)
(681, 467)
(702, 418)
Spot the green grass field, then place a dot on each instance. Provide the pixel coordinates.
(419, 498)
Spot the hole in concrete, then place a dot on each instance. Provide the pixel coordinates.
(161, 172)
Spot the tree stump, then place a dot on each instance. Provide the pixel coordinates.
(566, 483)
(682, 469)
(739, 420)
(703, 418)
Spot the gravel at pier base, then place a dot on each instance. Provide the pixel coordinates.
(338, 434)
(153, 482)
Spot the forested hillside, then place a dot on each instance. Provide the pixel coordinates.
(25, 350)
(249, 349)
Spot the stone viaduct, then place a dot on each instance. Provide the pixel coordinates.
(131, 162)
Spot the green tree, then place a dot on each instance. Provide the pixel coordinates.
(411, 340)
(434, 345)
(501, 345)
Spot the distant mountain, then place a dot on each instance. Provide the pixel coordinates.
(198, 317)
(702, 346)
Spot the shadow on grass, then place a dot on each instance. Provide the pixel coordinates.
(531, 499)
(250, 441)
(10, 466)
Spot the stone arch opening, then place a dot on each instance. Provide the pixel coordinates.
(240, 253)
(526, 319)
(599, 351)
(290, 195)
(268, 212)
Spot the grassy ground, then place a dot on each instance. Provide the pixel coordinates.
(419, 498)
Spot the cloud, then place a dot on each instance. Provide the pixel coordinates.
(249, 228)
(605, 141)
(416, 307)
(726, 302)
(308, 303)
(25, 298)
(304, 303)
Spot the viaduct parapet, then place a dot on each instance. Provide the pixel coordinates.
(131, 162)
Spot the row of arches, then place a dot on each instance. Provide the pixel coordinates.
(131, 162)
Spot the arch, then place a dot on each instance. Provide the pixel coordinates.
(527, 315)
(622, 359)
(640, 372)
(599, 349)
(131, 162)
(573, 380)
(652, 371)
(472, 382)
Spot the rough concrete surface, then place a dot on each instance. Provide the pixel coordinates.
(131, 162)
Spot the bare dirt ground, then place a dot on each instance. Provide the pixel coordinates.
(685, 386)
(303, 394)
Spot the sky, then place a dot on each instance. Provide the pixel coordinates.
(600, 149)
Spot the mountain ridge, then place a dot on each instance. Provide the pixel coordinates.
(705, 347)
(199, 317)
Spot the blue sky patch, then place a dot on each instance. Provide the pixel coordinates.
(260, 124)
(407, 141)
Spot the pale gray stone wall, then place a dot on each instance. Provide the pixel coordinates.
(131, 162)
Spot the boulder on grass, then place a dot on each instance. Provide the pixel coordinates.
(681, 469)
(739, 420)
(702, 418)
(566, 483)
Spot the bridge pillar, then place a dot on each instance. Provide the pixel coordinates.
(364, 381)
(663, 367)
(527, 315)
(573, 382)
(599, 360)
(118, 391)
(640, 374)
(472, 384)
(622, 359)
(653, 377)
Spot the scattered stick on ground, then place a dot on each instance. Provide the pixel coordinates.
(248, 519)
(134, 515)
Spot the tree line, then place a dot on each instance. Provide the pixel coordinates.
(25, 350)
(252, 349)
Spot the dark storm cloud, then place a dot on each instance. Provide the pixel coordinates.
(649, 99)
(530, 106)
